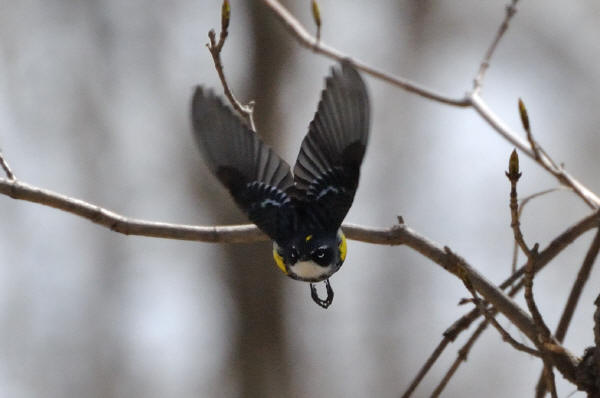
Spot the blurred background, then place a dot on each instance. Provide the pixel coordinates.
(94, 99)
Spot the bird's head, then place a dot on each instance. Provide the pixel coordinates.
(311, 257)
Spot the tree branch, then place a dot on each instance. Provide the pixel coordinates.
(511, 10)
(460, 358)
(545, 256)
(574, 295)
(428, 364)
(214, 47)
(577, 289)
(6, 167)
(397, 235)
(491, 318)
(318, 46)
(561, 175)
(522, 203)
(472, 99)
(513, 175)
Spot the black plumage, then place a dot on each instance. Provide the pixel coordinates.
(328, 166)
(320, 193)
(256, 177)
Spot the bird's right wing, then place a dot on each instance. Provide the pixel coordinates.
(254, 175)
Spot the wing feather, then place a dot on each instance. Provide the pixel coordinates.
(254, 174)
(328, 166)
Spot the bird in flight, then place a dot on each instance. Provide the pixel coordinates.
(301, 211)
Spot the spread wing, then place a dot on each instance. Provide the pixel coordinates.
(328, 166)
(254, 175)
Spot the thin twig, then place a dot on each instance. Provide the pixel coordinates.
(6, 168)
(549, 377)
(544, 257)
(513, 175)
(574, 295)
(511, 10)
(538, 151)
(214, 47)
(449, 336)
(460, 358)
(522, 203)
(597, 323)
(428, 364)
(504, 304)
(543, 333)
(561, 175)
(597, 332)
(505, 335)
(577, 289)
(541, 327)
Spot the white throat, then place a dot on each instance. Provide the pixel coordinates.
(310, 270)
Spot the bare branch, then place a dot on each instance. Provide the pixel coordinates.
(6, 167)
(460, 358)
(214, 47)
(449, 335)
(481, 306)
(574, 295)
(597, 333)
(129, 226)
(597, 323)
(472, 99)
(513, 175)
(577, 289)
(428, 364)
(535, 147)
(522, 203)
(463, 323)
(312, 43)
(549, 377)
(543, 333)
(511, 10)
(561, 175)
(399, 234)
(542, 329)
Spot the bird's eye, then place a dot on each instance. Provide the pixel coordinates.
(293, 253)
(320, 253)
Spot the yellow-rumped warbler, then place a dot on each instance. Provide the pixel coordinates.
(301, 212)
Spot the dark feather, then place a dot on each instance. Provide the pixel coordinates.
(328, 167)
(254, 175)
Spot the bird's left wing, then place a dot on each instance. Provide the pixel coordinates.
(328, 166)
(254, 175)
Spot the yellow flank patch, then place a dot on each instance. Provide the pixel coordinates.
(308, 237)
(279, 261)
(343, 247)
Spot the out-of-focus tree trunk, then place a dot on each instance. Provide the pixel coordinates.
(390, 362)
(259, 364)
